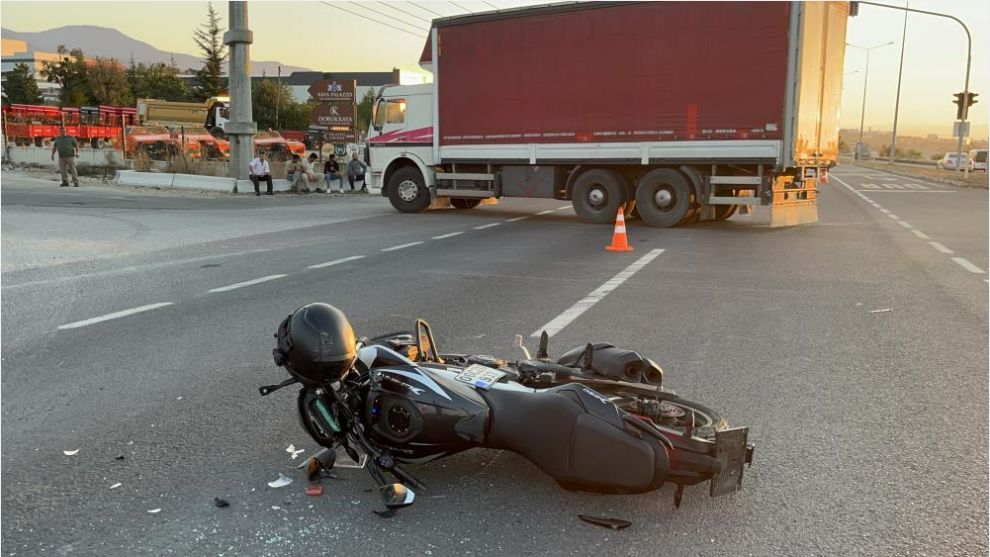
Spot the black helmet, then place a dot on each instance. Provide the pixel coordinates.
(316, 344)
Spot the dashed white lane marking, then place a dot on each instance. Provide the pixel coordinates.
(489, 225)
(904, 224)
(564, 208)
(893, 216)
(402, 246)
(575, 311)
(115, 315)
(517, 219)
(966, 264)
(451, 235)
(885, 211)
(547, 212)
(335, 262)
(921, 234)
(247, 283)
(940, 247)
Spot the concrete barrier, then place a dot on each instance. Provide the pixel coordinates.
(245, 186)
(87, 157)
(144, 179)
(208, 183)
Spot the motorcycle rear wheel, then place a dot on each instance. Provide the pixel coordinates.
(629, 396)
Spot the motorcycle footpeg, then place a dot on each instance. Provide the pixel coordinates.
(732, 452)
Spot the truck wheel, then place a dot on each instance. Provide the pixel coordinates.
(407, 192)
(597, 195)
(464, 203)
(663, 197)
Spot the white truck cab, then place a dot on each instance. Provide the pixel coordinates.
(402, 133)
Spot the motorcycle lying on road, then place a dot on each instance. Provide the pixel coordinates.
(596, 419)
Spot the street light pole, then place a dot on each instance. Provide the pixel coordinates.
(241, 127)
(866, 80)
(897, 99)
(969, 60)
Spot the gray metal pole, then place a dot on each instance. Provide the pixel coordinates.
(897, 99)
(862, 112)
(969, 60)
(241, 127)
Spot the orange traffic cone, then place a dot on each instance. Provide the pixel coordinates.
(619, 241)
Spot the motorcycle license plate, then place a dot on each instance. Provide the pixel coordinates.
(482, 377)
(731, 450)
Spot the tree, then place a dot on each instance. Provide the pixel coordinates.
(157, 81)
(70, 74)
(364, 107)
(209, 81)
(21, 87)
(107, 83)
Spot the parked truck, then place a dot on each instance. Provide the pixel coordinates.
(678, 111)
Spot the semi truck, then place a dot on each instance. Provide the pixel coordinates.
(675, 111)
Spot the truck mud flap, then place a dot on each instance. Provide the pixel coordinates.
(793, 203)
(732, 452)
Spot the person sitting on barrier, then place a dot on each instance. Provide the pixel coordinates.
(309, 169)
(355, 172)
(259, 170)
(331, 172)
(295, 173)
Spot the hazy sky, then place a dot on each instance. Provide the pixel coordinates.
(321, 37)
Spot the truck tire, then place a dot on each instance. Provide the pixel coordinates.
(663, 197)
(597, 195)
(407, 192)
(459, 203)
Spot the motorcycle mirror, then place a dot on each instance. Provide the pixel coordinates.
(397, 496)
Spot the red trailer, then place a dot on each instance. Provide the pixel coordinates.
(96, 127)
(686, 110)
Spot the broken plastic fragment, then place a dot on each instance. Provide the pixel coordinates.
(116, 485)
(70, 453)
(294, 452)
(314, 490)
(882, 310)
(119, 457)
(281, 481)
(220, 502)
(613, 523)
(154, 511)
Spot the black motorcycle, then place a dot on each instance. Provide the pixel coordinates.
(596, 419)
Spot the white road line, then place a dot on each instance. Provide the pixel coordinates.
(904, 224)
(451, 235)
(247, 283)
(547, 212)
(114, 315)
(335, 262)
(564, 208)
(906, 191)
(489, 225)
(885, 211)
(940, 247)
(921, 234)
(402, 246)
(575, 311)
(965, 264)
(517, 219)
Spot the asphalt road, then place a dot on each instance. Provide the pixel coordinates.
(854, 348)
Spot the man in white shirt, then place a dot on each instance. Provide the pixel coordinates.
(260, 170)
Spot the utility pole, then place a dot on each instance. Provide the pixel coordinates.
(866, 79)
(241, 127)
(897, 99)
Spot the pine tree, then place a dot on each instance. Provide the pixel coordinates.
(21, 87)
(209, 38)
(70, 74)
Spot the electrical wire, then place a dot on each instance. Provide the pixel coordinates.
(459, 6)
(417, 35)
(393, 18)
(394, 7)
(490, 4)
(427, 10)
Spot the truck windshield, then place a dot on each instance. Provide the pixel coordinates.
(395, 111)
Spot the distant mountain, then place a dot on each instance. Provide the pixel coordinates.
(111, 43)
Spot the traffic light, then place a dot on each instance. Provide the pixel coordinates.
(963, 102)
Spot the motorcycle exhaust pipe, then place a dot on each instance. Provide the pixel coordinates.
(652, 372)
(631, 372)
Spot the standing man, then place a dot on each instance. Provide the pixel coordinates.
(68, 150)
(258, 170)
(355, 171)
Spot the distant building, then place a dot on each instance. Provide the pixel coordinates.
(16, 52)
